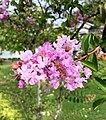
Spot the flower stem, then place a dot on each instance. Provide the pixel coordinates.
(59, 107)
(39, 115)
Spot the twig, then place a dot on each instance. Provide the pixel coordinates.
(41, 6)
(88, 54)
(92, 15)
(39, 115)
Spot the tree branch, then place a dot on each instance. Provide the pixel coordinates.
(41, 6)
(92, 15)
(90, 53)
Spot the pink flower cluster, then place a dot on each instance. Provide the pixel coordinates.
(30, 20)
(53, 64)
(4, 14)
(77, 18)
(29, 1)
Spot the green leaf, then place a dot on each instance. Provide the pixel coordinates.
(89, 64)
(14, 3)
(94, 60)
(104, 34)
(99, 102)
(67, 5)
(89, 41)
(101, 83)
(76, 2)
(85, 44)
(94, 41)
(103, 44)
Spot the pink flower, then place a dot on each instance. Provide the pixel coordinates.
(76, 11)
(26, 56)
(87, 72)
(54, 83)
(30, 20)
(80, 18)
(54, 64)
(4, 14)
(29, 1)
(72, 23)
(1, 16)
(5, 3)
(21, 84)
(42, 62)
(69, 87)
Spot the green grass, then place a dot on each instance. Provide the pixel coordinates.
(5, 72)
(21, 104)
(20, 99)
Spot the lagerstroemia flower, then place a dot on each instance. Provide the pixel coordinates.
(29, 1)
(5, 3)
(77, 17)
(26, 56)
(21, 84)
(76, 10)
(53, 64)
(87, 72)
(4, 14)
(30, 20)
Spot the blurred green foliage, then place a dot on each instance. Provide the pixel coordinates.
(18, 34)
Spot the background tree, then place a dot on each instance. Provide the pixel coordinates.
(31, 23)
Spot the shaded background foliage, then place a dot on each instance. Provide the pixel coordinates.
(18, 34)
